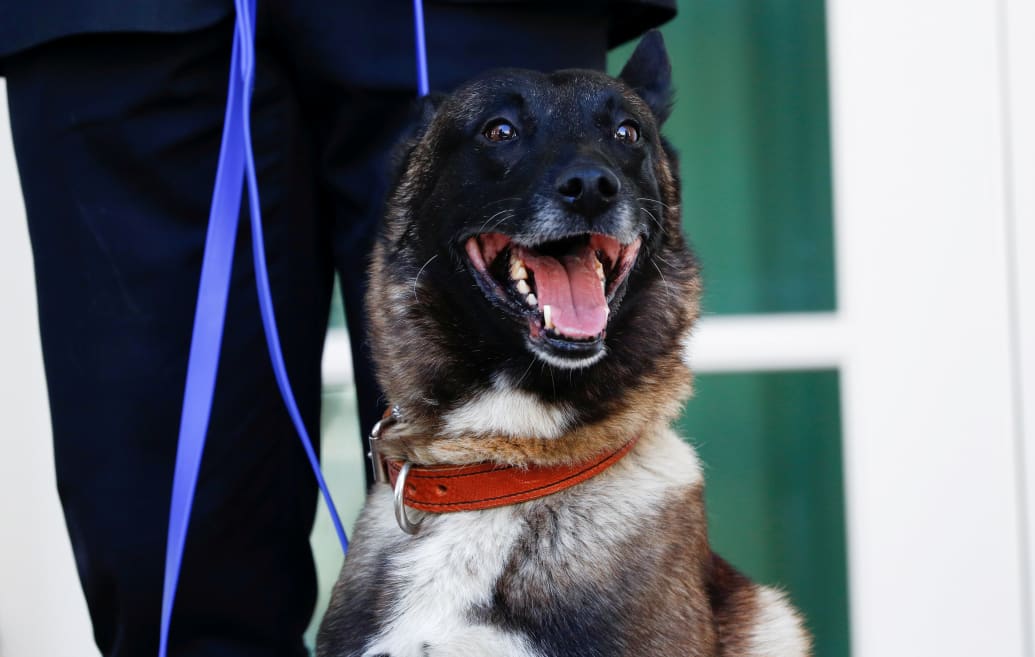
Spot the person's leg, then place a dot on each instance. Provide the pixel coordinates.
(356, 69)
(116, 138)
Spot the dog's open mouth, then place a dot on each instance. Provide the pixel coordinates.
(564, 288)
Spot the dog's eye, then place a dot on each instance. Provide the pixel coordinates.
(499, 130)
(627, 132)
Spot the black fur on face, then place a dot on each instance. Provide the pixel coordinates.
(557, 186)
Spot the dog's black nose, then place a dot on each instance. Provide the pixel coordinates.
(589, 189)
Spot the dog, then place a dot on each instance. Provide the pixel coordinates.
(531, 295)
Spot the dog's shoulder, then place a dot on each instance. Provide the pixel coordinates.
(753, 620)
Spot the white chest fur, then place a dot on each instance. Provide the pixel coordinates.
(442, 574)
(452, 565)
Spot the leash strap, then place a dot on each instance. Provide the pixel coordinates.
(422, 48)
(236, 162)
(202, 363)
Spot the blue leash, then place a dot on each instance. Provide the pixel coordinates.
(236, 161)
(422, 48)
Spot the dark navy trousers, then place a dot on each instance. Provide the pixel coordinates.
(116, 138)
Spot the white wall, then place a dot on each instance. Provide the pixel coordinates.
(42, 611)
(932, 434)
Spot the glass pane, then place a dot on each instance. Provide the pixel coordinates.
(751, 126)
(771, 447)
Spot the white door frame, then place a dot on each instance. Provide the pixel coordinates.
(1017, 27)
(927, 299)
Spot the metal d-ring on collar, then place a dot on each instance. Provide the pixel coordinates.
(381, 473)
(399, 501)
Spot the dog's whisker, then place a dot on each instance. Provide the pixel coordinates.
(503, 211)
(419, 272)
(510, 212)
(499, 221)
(651, 215)
(527, 370)
(663, 279)
(654, 200)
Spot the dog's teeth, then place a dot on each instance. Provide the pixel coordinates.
(523, 288)
(532, 301)
(547, 321)
(599, 268)
(517, 270)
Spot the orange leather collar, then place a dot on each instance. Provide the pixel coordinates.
(442, 489)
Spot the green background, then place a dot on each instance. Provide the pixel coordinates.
(752, 129)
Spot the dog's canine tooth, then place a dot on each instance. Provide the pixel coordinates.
(599, 269)
(532, 301)
(522, 287)
(547, 321)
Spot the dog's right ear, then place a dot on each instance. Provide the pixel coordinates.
(427, 107)
(649, 73)
(422, 113)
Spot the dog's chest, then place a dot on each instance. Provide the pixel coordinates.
(541, 578)
(439, 579)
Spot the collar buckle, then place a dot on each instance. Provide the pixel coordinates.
(377, 458)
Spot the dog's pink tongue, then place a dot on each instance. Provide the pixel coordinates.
(572, 289)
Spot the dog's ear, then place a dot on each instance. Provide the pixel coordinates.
(649, 73)
(422, 113)
(427, 107)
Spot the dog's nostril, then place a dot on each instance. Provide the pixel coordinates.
(608, 185)
(588, 189)
(572, 187)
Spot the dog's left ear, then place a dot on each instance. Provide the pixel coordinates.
(649, 73)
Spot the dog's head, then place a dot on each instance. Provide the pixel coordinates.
(531, 279)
